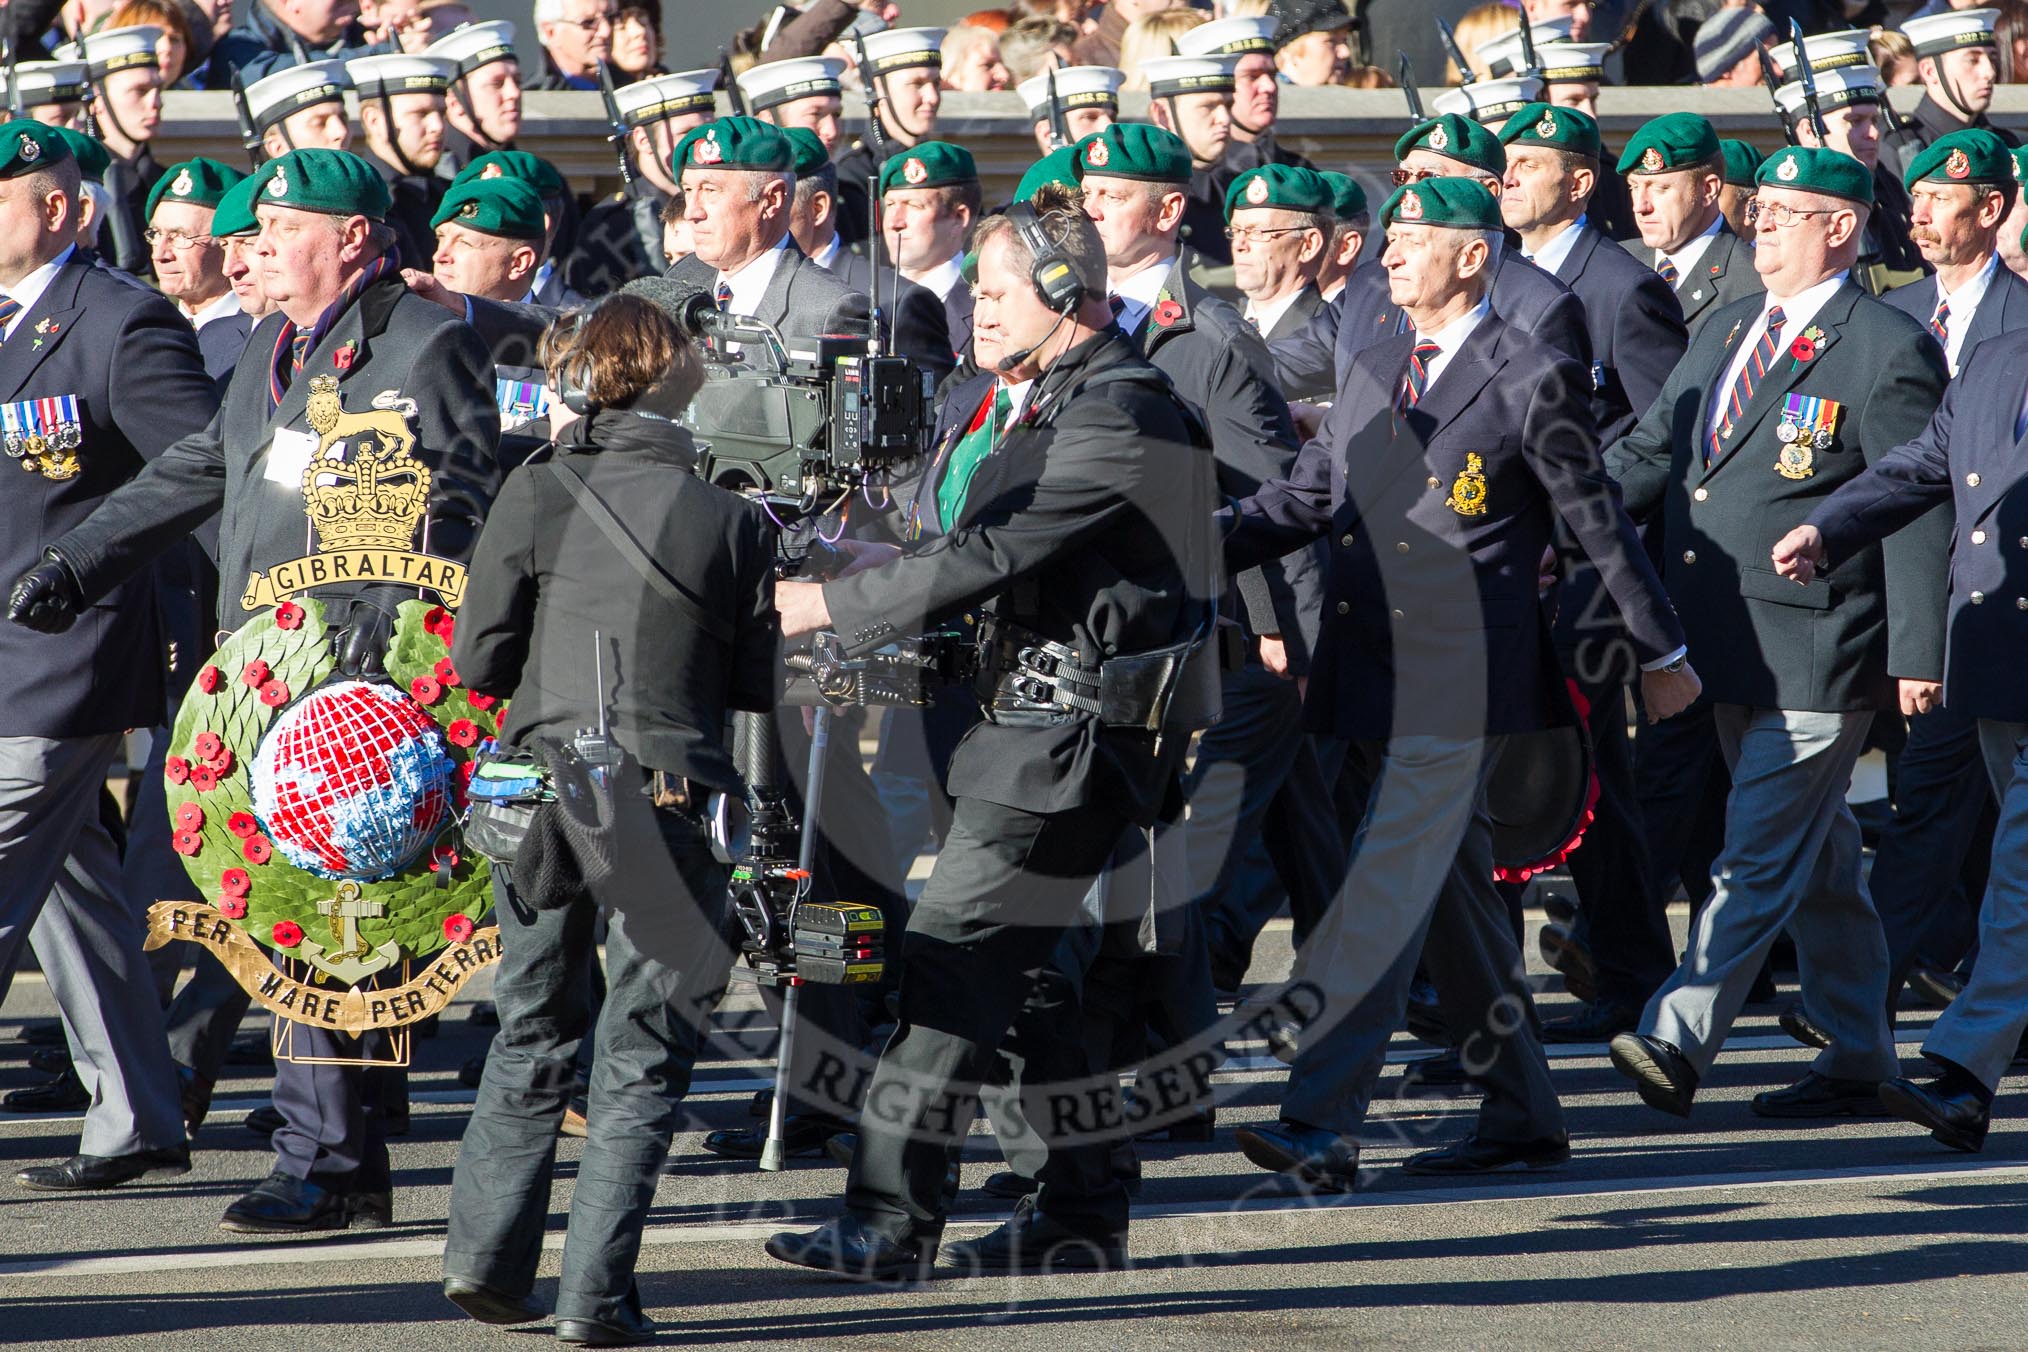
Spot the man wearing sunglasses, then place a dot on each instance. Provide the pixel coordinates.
(1780, 400)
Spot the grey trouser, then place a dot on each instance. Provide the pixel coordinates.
(1982, 1028)
(60, 878)
(1790, 859)
(665, 968)
(1421, 865)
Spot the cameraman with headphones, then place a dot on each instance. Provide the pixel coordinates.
(1070, 495)
(610, 546)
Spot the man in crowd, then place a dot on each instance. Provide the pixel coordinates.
(577, 35)
(189, 259)
(53, 91)
(401, 112)
(124, 71)
(906, 64)
(929, 199)
(1675, 172)
(1191, 96)
(1256, 94)
(1350, 222)
(1957, 58)
(1278, 227)
(1779, 400)
(621, 238)
(798, 93)
(301, 108)
(1069, 103)
(484, 105)
(275, 34)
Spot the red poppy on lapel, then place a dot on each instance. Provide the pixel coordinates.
(342, 358)
(1167, 313)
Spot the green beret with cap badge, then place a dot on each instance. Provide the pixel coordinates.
(1058, 166)
(199, 182)
(1135, 150)
(507, 207)
(93, 156)
(1459, 138)
(1460, 203)
(933, 164)
(235, 214)
(533, 169)
(1973, 155)
(1546, 124)
(734, 143)
(1290, 187)
(1671, 141)
(1817, 169)
(334, 182)
(1742, 159)
(1348, 199)
(28, 146)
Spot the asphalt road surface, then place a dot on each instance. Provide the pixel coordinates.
(1723, 1231)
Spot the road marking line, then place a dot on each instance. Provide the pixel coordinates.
(284, 1254)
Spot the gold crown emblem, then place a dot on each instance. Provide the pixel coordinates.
(1958, 165)
(1652, 161)
(373, 493)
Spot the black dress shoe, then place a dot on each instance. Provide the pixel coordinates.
(803, 1136)
(623, 1329)
(1033, 1243)
(85, 1173)
(1425, 1015)
(1557, 907)
(1319, 1158)
(490, 1306)
(265, 1120)
(849, 1249)
(1008, 1184)
(485, 1014)
(473, 1071)
(282, 1204)
(761, 1104)
(372, 1209)
(193, 1093)
(50, 1060)
(1798, 1024)
(1936, 988)
(1597, 1021)
(1476, 1156)
(254, 1049)
(1664, 1078)
(1956, 1117)
(1445, 1070)
(47, 1033)
(1764, 991)
(1821, 1096)
(64, 1094)
(1566, 953)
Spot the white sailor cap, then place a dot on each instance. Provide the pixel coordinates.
(1828, 51)
(1935, 34)
(1489, 101)
(666, 96)
(271, 99)
(474, 45)
(40, 83)
(894, 49)
(1835, 89)
(400, 73)
(1229, 37)
(773, 83)
(1169, 76)
(1572, 62)
(113, 49)
(1076, 87)
(1502, 55)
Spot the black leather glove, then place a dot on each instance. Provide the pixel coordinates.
(361, 646)
(46, 598)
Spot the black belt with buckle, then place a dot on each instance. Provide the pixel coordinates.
(1032, 677)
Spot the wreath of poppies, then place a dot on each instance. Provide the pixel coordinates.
(283, 653)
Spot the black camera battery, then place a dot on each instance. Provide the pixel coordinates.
(838, 943)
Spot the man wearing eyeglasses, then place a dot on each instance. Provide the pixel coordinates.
(1279, 224)
(190, 262)
(1779, 401)
(576, 36)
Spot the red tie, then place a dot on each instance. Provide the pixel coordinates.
(1749, 376)
(1939, 323)
(1418, 374)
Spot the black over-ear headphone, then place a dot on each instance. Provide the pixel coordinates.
(1058, 281)
(572, 374)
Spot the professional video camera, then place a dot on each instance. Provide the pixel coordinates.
(800, 421)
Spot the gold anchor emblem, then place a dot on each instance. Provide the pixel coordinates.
(349, 958)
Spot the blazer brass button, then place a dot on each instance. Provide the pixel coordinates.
(1689, 556)
(1435, 482)
(1344, 607)
(1978, 598)
(1401, 546)
(1397, 615)
(1972, 479)
(2021, 603)
(1701, 494)
(1978, 537)
(1346, 540)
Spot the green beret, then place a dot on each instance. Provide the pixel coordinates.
(734, 143)
(1288, 186)
(1741, 159)
(335, 182)
(1545, 124)
(1671, 141)
(1458, 138)
(1463, 203)
(1348, 199)
(808, 153)
(28, 146)
(1973, 155)
(933, 164)
(548, 181)
(235, 214)
(93, 156)
(1135, 150)
(200, 183)
(1817, 169)
(495, 206)
(1058, 166)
